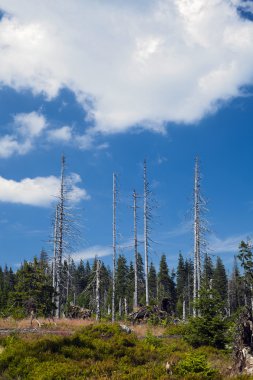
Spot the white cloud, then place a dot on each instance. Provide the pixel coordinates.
(245, 5)
(92, 252)
(30, 124)
(181, 230)
(61, 134)
(25, 129)
(84, 142)
(9, 145)
(170, 60)
(227, 245)
(39, 191)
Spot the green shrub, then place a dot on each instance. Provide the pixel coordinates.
(196, 364)
(176, 329)
(210, 328)
(100, 351)
(152, 340)
(201, 331)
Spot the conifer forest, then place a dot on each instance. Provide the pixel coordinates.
(197, 305)
(126, 190)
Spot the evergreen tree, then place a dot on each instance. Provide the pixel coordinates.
(189, 287)
(121, 279)
(220, 281)
(166, 285)
(130, 286)
(181, 284)
(80, 278)
(141, 280)
(236, 289)
(208, 272)
(246, 258)
(105, 283)
(152, 281)
(43, 261)
(3, 293)
(163, 278)
(32, 291)
(210, 327)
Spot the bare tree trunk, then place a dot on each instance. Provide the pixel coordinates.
(114, 245)
(68, 279)
(98, 311)
(196, 273)
(184, 310)
(135, 253)
(61, 206)
(146, 229)
(189, 293)
(126, 306)
(120, 308)
(55, 239)
(229, 299)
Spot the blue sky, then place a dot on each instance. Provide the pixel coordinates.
(158, 82)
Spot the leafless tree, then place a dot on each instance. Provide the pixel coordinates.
(98, 311)
(114, 242)
(58, 239)
(200, 229)
(65, 233)
(147, 218)
(135, 251)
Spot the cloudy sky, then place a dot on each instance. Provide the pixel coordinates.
(109, 83)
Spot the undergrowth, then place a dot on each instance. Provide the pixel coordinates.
(104, 351)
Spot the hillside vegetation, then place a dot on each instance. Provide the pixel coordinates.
(104, 351)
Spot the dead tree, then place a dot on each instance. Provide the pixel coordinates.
(135, 251)
(114, 242)
(146, 215)
(59, 243)
(98, 312)
(55, 241)
(200, 229)
(68, 277)
(65, 234)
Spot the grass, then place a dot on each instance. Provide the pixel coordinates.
(103, 351)
(64, 324)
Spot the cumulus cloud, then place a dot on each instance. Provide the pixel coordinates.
(129, 65)
(92, 252)
(39, 191)
(26, 128)
(10, 145)
(63, 134)
(66, 134)
(30, 124)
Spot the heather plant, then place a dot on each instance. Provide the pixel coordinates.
(195, 366)
(102, 351)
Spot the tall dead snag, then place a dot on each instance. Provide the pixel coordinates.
(199, 233)
(98, 312)
(114, 242)
(66, 235)
(146, 214)
(59, 232)
(135, 251)
(196, 272)
(55, 241)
